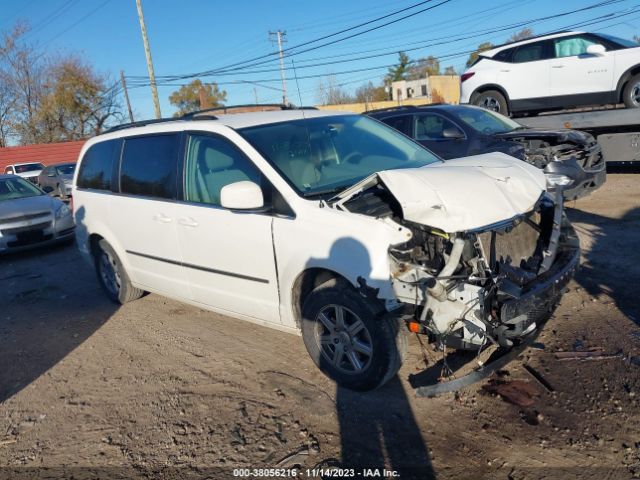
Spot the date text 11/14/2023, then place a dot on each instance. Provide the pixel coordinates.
(331, 472)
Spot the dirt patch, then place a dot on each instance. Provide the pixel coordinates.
(158, 389)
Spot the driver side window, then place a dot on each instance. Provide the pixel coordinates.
(432, 127)
(211, 164)
(574, 46)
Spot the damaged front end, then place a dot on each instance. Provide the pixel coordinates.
(493, 284)
(571, 154)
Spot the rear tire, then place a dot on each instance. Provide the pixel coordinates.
(351, 338)
(112, 276)
(631, 93)
(491, 100)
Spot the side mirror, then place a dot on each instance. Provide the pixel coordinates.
(243, 195)
(596, 49)
(452, 133)
(51, 174)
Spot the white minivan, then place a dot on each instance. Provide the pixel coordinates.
(328, 223)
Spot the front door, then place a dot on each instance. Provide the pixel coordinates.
(429, 131)
(228, 255)
(576, 72)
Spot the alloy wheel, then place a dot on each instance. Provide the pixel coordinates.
(343, 339)
(109, 273)
(490, 103)
(635, 94)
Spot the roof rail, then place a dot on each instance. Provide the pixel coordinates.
(533, 37)
(140, 123)
(249, 107)
(205, 115)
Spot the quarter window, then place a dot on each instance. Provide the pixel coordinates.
(97, 165)
(149, 166)
(213, 163)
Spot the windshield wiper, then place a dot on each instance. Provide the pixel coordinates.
(323, 192)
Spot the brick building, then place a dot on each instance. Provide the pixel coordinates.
(46, 153)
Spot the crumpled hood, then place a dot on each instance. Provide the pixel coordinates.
(26, 206)
(577, 137)
(463, 194)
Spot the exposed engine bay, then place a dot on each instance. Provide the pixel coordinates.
(480, 286)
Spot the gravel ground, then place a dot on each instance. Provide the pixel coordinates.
(159, 389)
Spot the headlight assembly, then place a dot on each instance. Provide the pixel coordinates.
(63, 211)
(555, 180)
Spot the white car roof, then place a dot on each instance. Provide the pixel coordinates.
(23, 163)
(493, 51)
(234, 120)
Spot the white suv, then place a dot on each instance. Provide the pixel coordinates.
(556, 71)
(328, 223)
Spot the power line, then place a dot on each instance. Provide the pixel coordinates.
(80, 20)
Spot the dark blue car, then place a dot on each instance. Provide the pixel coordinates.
(570, 157)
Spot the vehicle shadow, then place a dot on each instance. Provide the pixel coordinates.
(51, 303)
(613, 247)
(377, 428)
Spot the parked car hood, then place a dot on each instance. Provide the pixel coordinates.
(462, 194)
(554, 136)
(26, 206)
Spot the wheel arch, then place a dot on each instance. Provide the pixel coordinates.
(624, 79)
(490, 86)
(305, 283)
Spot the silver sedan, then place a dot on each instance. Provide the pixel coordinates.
(30, 218)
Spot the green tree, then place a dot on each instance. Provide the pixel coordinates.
(484, 46)
(521, 35)
(423, 67)
(197, 96)
(450, 70)
(399, 71)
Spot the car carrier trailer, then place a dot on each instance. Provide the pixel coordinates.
(617, 130)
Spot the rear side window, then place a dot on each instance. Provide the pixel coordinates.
(504, 55)
(531, 52)
(149, 166)
(401, 123)
(97, 165)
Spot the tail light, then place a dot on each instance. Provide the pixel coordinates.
(466, 76)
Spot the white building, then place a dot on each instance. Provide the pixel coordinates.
(403, 89)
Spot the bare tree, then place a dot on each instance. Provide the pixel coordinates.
(329, 92)
(521, 35)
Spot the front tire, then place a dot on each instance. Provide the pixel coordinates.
(492, 100)
(112, 276)
(631, 93)
(351, 338)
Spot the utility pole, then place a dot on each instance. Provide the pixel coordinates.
(126, 95)
(279, 36)
(147, 51)
(255, 94)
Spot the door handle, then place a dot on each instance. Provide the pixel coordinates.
(557, 66)
(188, 222)
(160, 217)
(505, 71)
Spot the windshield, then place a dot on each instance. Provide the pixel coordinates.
(487, 122)
(620, 41)
(28, 167)
(66, 169)
(328, 154)
(11, 188)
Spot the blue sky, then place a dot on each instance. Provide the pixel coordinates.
(192, 36)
